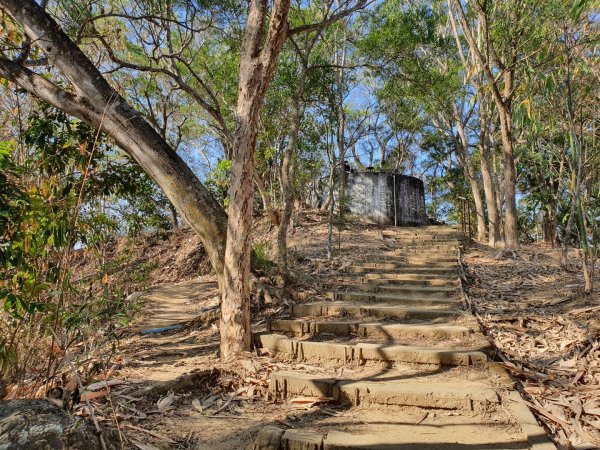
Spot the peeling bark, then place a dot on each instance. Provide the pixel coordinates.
(258, 58)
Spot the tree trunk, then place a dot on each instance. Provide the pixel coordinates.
(287, 175)
(476, 192)
(589, 261)
(462, 149)
(488, 183)
(549, 225)
(258, 57)
(287, 166)
(341, 124)
(494, 237)
(98, 104)
(325, 205)
(268, 206)
(503, 104)
(341, 144)
(361, 167)
(330, 222)
(235, 306)
(498, 192)
(468, 170)
(174, 218)
(511, 232)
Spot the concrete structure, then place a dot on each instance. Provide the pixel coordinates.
(386, 198)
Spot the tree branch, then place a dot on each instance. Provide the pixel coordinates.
(334, 18)
(40, 87)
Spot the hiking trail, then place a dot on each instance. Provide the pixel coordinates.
(406, 355)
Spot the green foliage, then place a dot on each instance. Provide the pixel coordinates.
(218, 181)
(412, 59)
(259, 258)
(8, 356)
(63, 187)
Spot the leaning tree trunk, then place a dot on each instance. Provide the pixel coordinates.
(94, 101)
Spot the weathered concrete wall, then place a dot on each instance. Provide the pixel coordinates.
(386, 198)
(410, 200)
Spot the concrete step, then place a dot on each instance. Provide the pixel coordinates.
(416, 288)
(400, 437)
(432, 236)
(408, 269)
(431, 245)
(426, 239)
(421, 243)
(425, 242)
(395, 299)
(429, 250)
(450, 279)
(404, 260)
(414, 331)
(424, 231)
(372, 330)
(328, 352)
(428, 253)
(324, 308)
(426, 437)
(370, 264)
(454, 395)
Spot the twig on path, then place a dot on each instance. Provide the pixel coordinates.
(150, 433)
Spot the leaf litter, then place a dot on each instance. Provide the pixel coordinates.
(547, 335)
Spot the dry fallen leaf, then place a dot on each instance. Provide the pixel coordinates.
(104, 384)
(143, 446)
(308, 401)
(197, 405)
(534, 389)
(90, 395)
(165, 402)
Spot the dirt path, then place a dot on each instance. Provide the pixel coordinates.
(177, 304)
(162, 348)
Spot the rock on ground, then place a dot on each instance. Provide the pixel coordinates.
(41, 425)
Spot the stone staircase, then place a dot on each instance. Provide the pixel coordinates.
(398, 351)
